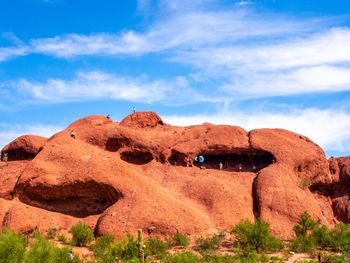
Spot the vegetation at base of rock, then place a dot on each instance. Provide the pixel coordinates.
(255, 236)
(12, 246)
(156, 247)
(62, 238)
(182, 257)
(180, 239)
(210, 244)
(82, 234)
(250, 239)
(51, 233)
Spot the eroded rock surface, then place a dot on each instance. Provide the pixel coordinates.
(141, 173)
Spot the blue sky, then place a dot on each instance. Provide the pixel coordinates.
(264, 63)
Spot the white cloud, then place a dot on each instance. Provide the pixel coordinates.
(93, 85)
(244, 3)
(11, 52)
(185, 26)
(328, 128)
(9, 132)
(299, 81)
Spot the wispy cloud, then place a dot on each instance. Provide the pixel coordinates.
(328, 128)
(181, 28)
(244, 3)
(93, 85)
(9, 132)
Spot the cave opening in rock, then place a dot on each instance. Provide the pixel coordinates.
(79, 199)
(243, 161)
(177, 158)
(114, 144)
(136, 157)
(247, 160)
(20, 154)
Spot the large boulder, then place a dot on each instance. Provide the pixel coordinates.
(141, 173)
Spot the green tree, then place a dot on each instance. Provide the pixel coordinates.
(305, 225)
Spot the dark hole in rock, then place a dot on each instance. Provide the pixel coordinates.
(136, 157)
(177, 158)
(252, 161)
(114, 144)
(79, 199)
(240, 161)
(20, 154)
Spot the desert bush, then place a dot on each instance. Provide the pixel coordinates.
(180, 239)
(323, 237)
(51, 233)
(82, 234)
(210, 244)
(182, 257)
(329, 258)
(304, 183)
(341, 236)
(104, 249)
(12, 247)
(255, 236)
(42, 250)
(303, 244)
(304, 241)
(130, 251)
(305, 225)
(218, 259)
(62, 238)
(157, 247)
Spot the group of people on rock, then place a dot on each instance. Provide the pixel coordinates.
(200, 161)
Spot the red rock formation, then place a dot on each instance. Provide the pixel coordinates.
(140, 172)
(24, 147)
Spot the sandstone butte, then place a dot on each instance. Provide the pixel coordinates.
(139, 173)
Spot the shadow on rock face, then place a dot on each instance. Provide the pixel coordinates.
(136, 157)
(79, 199)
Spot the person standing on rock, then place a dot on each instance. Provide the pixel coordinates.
(5, 157)
(220, 165)
(72, 134)
(134, 110)
(71, 256)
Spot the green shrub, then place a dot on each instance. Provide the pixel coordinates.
(247, 257)
(305, 225)
(157, 247)
(255, 236)
(12, 246)
(304, 183)
(51, 233)
(218, 259)
(62, 238)
(182, 257)
(264, 258)
(42, 250)
(131, 249)
(334, 259)
(323, 237)
(303, 244)
(180, 239)
(82, 234)
(210, 244)
(104, 249)
(276, 259)
(341, 236)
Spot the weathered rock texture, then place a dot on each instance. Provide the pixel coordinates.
(140, 173)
